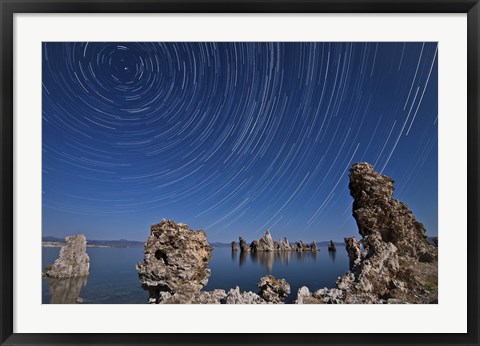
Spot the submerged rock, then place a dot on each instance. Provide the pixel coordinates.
(73, 260)
(175, 260)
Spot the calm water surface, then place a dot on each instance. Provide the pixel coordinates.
(114, 280)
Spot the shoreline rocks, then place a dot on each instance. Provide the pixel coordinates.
(396, 265)
(73, 260)
(273, 290)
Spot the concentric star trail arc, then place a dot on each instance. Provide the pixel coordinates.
(233, 137)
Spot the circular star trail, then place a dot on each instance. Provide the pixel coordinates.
(233, 138)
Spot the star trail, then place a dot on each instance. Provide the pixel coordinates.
(233, 137)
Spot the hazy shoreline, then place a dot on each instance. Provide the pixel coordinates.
(59, 244)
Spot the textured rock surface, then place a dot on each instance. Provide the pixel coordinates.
(377, 212)
(234, 246)
(175, 260)
(234, 296)
(354, 250)
(193, 297)
(273, 290)
(283, 245)
(322, 296)
(265, 243)
(73, 260)
(397, 264)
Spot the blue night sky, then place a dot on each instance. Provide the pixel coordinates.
(233, 138)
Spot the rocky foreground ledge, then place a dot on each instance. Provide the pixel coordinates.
(392, 263)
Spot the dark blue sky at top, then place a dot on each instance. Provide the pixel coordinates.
(233, 138)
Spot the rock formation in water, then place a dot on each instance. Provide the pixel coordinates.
(73, 260)
(300, 246)
(243, 245)
(332, 246)
(175, 260)
(265, 243)
(234, 246)
(397, 264)
(282, 245)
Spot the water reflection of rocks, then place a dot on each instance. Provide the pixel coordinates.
(66, 290)
(269, 258)
(332, 255)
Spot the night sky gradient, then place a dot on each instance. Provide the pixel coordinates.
(233, 138)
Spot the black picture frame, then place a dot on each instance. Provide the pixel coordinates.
(10, 7)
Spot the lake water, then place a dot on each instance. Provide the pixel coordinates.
(114, 280)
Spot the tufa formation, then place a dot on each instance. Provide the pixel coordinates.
(397, 264)
(175, 260)
(73, 260)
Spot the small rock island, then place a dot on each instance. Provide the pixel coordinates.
(267, 244)
(68, 274)
(73, 260)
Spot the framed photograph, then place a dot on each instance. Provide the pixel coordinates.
(236, 172)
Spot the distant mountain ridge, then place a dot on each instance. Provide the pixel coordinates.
(110, 243)
(136, 243)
